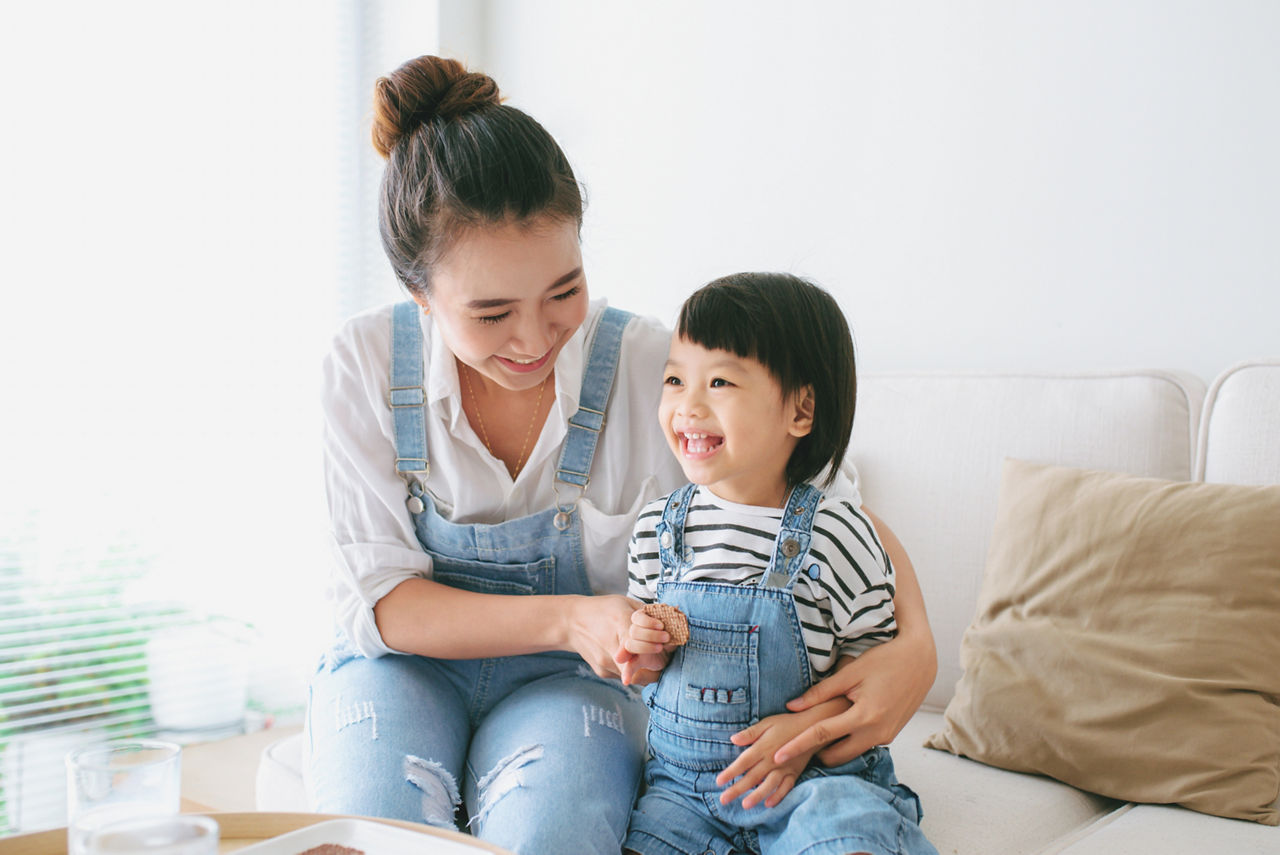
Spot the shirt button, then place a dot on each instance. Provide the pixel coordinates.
(814, 571)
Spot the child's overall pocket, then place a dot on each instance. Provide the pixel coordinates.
(714, 678)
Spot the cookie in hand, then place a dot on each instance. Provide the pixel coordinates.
(673, 621)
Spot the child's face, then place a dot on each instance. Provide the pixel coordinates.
(727, 423)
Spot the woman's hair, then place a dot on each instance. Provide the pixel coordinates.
(458, 158)
(795, 330)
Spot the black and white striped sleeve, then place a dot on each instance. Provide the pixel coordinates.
(856, 578)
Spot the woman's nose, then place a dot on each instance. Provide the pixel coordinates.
(534, 335)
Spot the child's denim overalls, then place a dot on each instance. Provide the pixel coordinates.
(744, 660)
(547, 755)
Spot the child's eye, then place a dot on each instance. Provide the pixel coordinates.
(718, 382)
(672, 380)
(565, 295)
(492, 319)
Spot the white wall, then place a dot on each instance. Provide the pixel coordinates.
(987, 186)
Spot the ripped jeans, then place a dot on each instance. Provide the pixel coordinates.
(539, 754)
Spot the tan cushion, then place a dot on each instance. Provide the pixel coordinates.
(1127, 640)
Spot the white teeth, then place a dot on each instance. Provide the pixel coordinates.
(524, 361)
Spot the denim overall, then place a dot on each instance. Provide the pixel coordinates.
(547, 755)
(744, 660)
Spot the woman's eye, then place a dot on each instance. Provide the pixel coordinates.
(565, 295)
(492, 319)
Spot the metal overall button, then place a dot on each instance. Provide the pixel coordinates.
(791, 547)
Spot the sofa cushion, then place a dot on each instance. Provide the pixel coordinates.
(1173, 831)
(1126, 640)
(972, 808)
(1238, 437)
(928, 449)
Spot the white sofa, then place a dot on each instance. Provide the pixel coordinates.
(929, 450)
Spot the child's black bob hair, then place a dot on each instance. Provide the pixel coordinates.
(796, 330)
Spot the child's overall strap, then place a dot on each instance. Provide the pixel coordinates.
(407, 396)
(670, 530)
(796, 530)
(597, 383)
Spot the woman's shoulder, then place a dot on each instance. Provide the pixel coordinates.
(368, 331)
(645, 335)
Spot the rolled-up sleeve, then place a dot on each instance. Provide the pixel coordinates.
(374, 547)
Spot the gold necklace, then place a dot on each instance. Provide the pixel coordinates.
(524, 446)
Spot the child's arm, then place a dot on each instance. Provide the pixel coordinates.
(642, 653)
(767, 779)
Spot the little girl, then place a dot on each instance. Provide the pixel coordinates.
(778, 584)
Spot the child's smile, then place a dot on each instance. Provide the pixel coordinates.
(699, 446)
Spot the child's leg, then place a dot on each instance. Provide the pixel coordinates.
(554, 767)
(385, 737)
(854, 808)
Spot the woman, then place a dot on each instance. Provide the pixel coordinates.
(488, 447)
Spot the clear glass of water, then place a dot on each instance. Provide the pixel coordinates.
(123, 779)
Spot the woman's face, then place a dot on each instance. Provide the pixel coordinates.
(506, 298)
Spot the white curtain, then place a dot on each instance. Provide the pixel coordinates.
(188, 213)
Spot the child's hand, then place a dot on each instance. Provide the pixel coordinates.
(756, 768)
(645, 651)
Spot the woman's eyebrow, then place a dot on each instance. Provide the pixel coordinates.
(495, 302)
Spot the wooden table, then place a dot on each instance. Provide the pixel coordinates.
(236, 830)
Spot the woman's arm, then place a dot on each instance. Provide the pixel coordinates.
(886, 684)
(430, 619)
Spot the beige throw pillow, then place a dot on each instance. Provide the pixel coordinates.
(1127, 640)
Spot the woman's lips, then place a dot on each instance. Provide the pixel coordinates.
(524, 367)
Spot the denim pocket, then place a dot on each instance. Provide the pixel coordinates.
(714, 678)
(488, 578)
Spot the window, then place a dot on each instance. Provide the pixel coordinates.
(188, 215)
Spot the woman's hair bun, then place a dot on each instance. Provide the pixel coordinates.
(422, 89)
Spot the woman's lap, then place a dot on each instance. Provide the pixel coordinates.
(555, 761)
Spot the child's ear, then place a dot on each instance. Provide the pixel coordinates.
(802, 416)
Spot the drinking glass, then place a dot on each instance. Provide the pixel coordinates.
(118, 780)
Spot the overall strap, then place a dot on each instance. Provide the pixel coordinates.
(597, 382)
(794, 534)
(407, 396)
(670, 529)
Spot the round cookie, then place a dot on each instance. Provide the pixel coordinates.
(673, 621)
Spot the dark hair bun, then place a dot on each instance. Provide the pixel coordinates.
(422, 89)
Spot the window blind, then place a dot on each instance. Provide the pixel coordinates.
(192, 237)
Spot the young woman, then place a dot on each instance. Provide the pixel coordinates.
(488, 447)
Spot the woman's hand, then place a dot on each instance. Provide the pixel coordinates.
(885, 685)
(597, 627)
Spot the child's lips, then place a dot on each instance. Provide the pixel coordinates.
(698, 445)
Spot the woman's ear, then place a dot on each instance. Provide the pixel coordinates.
(802, 415)
(422, 302)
